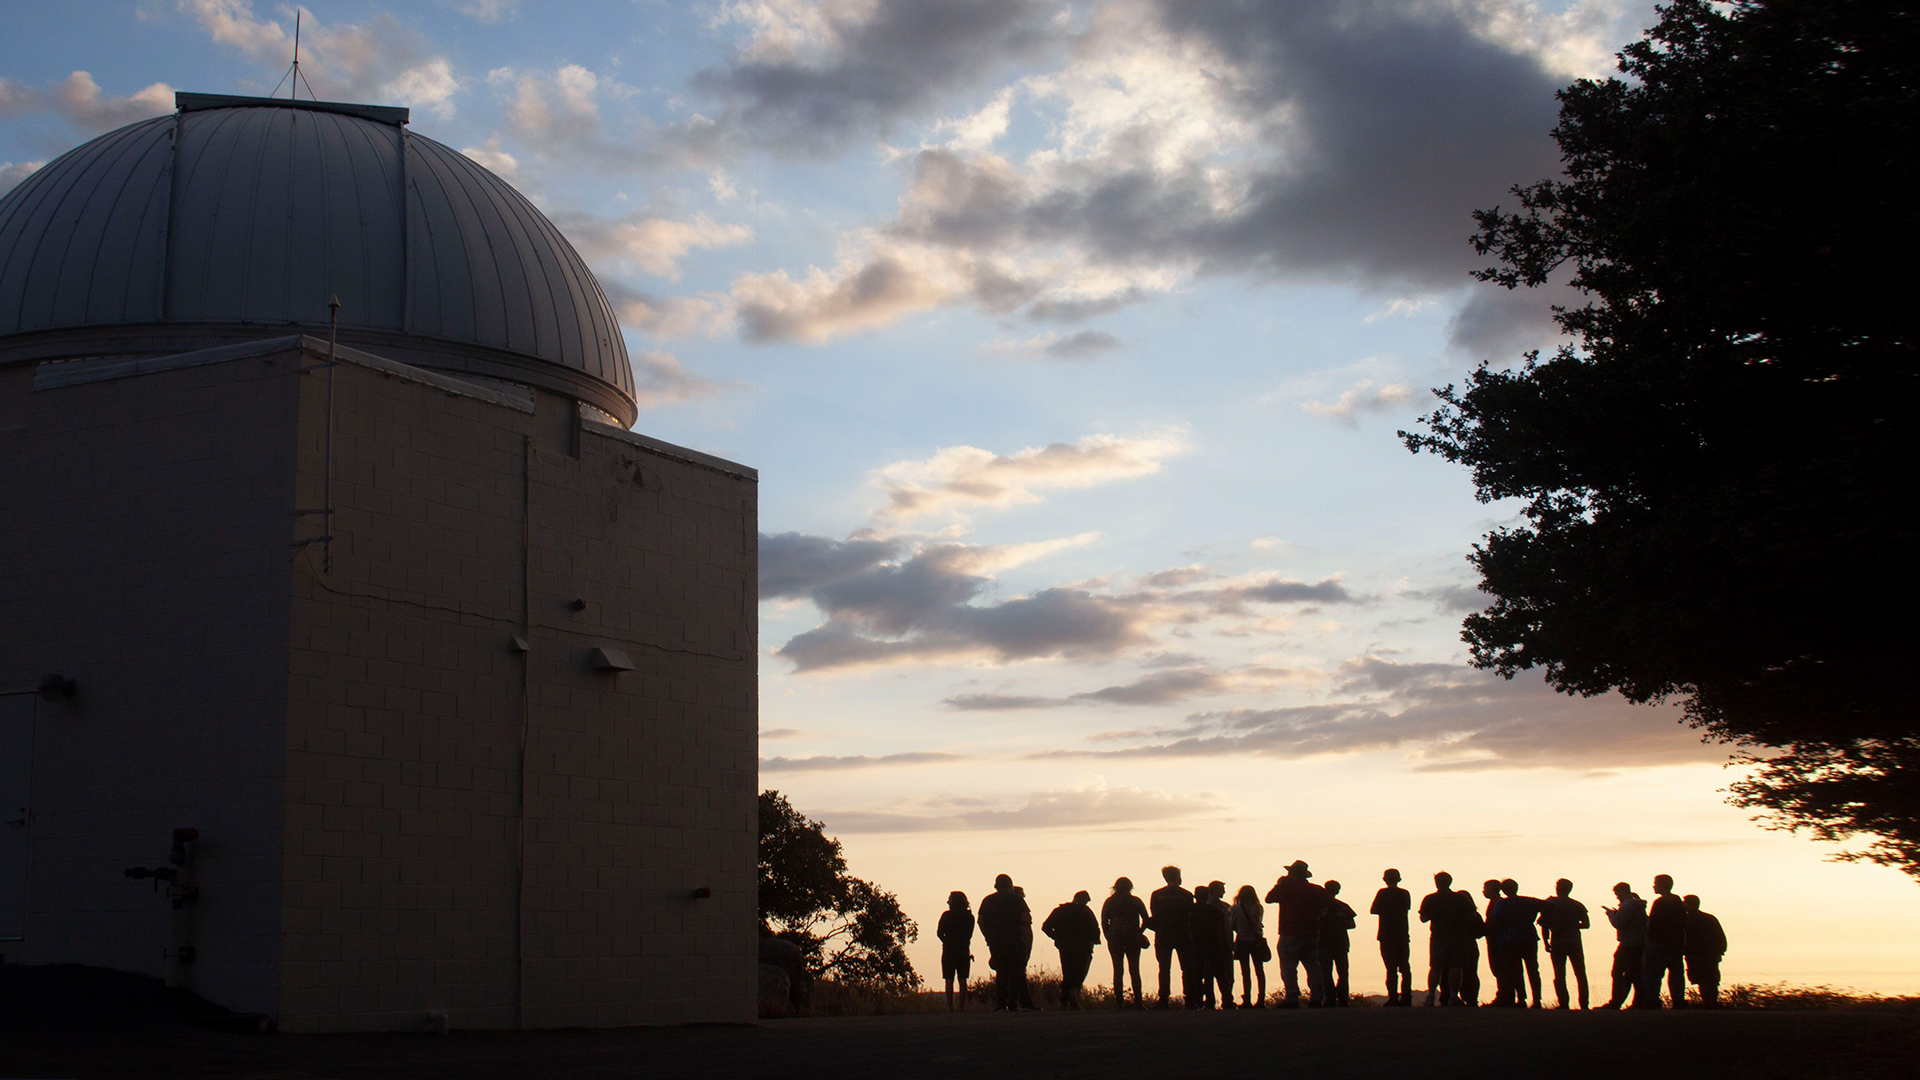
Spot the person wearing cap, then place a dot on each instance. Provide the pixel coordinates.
(1392, 905)
(1123, 916)
(1007, 924)
(1335, 920)
(1075, 932)
(955, 932)
(1301, 905)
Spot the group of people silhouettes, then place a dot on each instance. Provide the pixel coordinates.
(1207, 936)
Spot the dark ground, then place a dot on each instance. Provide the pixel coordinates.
(127, 1030)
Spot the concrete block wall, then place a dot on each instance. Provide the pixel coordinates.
(418, 879)
(144, 531)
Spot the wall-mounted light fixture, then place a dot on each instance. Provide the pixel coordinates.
(703, 893)
(604, 659)
(56, 686)
(578, 605)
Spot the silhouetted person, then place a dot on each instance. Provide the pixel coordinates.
(1007, 924)
(1075, 932)
(1301, 905)
(1499, 959)
(1666, 948)
(1172, 924)
(1706, 944)
(1335, 920)
(1453, 957)
(1217, 950)
(1523, 941)
(1250, 945)
(1124, 918)
(1393, 904)
(1561, 920)
(1629, 921)
(955, 932)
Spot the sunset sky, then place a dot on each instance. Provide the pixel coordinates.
(1070, 341)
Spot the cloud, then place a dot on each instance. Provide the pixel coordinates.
(1232, 597)
(11, 173)
(900, 601)
(80, 101)
(1446, 717)
(811, 77)
(772, 734)
(495, 159)
(1501, 324)
(486, 11)
(1455, 599)
(1161, 687)
(830, 762)
(1001, 702)
(794, 564)
(1361, 397)
(1081, 346)
(668, 316)
(1078, 808)
(381, 60)
(961, 478)
(1342, 140)
(661, 379)
(821, 306)
(651, 243)
(889, 602)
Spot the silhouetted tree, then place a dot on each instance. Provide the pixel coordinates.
(1717, 476)
(849, 929)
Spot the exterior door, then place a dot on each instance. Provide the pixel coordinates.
(16, 784)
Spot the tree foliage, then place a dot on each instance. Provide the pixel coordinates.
(1715, 476)
(849, 929)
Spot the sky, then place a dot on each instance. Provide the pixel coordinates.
(1070, 341)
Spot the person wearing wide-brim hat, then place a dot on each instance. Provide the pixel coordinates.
(1301, 906)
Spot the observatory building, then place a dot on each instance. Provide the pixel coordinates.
(373, 681)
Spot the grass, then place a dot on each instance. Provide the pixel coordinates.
(1782, 995)
(840, 999)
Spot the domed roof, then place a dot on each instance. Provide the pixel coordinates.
(235, 217)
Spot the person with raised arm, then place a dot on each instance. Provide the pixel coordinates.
(1335, 920)
(1392, 905)
(1075, 932)
(1629, 921)
(1123, 917)
(1301, 903)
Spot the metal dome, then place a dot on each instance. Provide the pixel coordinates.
(238, 216)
